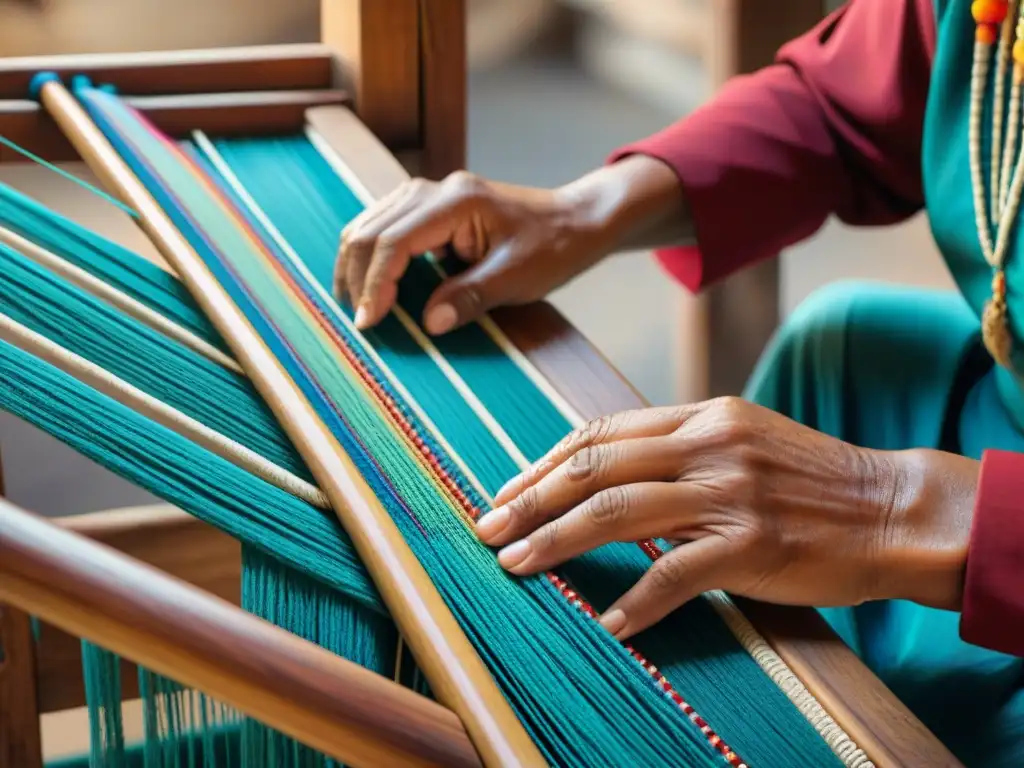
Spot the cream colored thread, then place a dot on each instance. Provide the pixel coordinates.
(207, 147)
(756, 646)
(147, 405)
(115, 298)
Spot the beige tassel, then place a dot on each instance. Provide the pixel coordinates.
(995, 326)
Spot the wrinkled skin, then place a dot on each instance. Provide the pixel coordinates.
(755, 503)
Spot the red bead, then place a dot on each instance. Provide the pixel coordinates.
(991, 12)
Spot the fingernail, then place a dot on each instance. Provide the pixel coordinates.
(362, 317)
(493, 523)
(507, 487)
(514, 554)
(614, 621)
(440, 319)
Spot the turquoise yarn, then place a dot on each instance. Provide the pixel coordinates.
(549, 659)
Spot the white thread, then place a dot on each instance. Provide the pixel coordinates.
(233, 181)
(838, 740)
(841, 744)
(345, 173)
(1007, 187)
(147, 405)
(93, 285)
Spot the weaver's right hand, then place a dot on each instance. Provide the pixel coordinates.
(521, 242)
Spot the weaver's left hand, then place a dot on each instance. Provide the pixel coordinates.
(756, 504)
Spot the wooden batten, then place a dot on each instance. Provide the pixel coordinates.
(337, 707)
(255, 113)
(161, 536)
(220, 70)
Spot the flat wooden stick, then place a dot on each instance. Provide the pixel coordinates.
(240, 113)
(455, 671)
(256, 68)
(323, 700)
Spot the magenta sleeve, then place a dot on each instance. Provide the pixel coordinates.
(993, 603)
(833, 127)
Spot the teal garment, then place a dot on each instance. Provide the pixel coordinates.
(947, 184)
(894, 368)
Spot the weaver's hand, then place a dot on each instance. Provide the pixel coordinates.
(522, 242)
(756, 504)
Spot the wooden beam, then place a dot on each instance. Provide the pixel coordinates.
(332, 705)
(161, 536)
(20, 739)
(219, 70)
(257, 113)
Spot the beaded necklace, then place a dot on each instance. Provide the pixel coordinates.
(997, 210)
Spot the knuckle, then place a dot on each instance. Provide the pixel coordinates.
(386, 241)
(609, 507)
(360, 240)
(464, 183)
(593, 432)
(730, 425)
(547, 537)
(666, 574)
(469, 300)
(587, 464)
(729, 407)
(525, 506)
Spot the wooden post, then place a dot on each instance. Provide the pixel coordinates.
(20, 741)
(378, 44)
(443, 27)
(743, 312)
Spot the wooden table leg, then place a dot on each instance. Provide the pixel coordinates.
(743, 312)
(20, 742)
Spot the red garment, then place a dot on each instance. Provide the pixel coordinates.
(807, 138)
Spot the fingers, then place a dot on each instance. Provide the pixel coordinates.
(649, 422)
(467, 296)
(377, 246)
(594, 469)
(622, 513)
(356, 242)
(672, 581)
(376, 250)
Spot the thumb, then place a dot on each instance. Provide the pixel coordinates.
(465, 297)
(676, 578)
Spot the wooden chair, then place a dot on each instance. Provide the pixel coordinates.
(161, 589)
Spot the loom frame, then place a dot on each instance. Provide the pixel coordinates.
(411, 97)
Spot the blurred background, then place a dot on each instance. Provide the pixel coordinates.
(555, 85)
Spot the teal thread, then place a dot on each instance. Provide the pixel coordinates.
(549, 659)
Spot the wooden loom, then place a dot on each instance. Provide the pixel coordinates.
(390, 75)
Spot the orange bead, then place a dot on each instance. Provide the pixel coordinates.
(999, 284)
(990, 11)
(985, 33)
